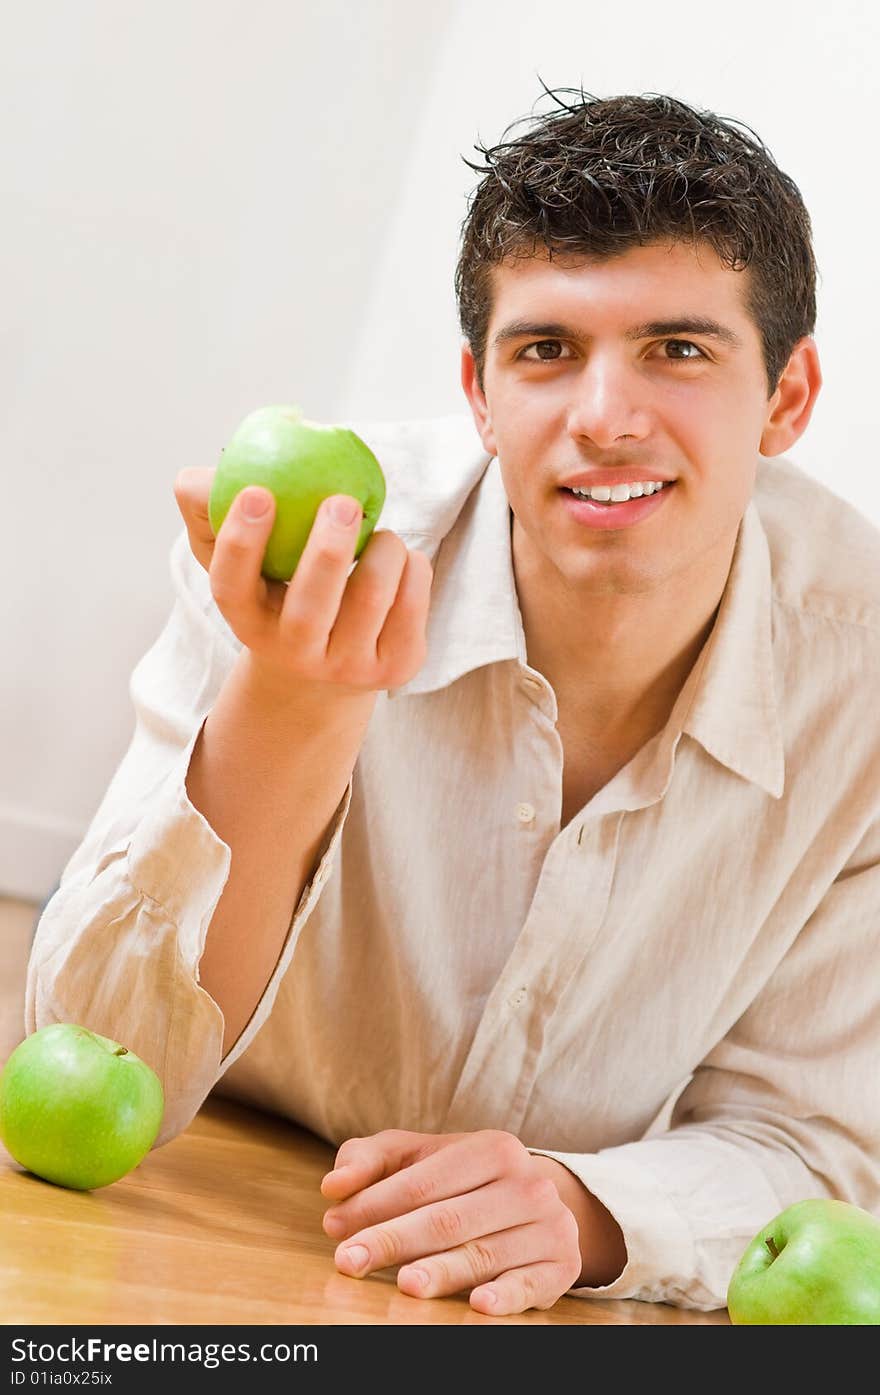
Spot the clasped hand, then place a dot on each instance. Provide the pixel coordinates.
(471, 1211)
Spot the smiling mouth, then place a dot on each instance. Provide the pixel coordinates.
(615, 503)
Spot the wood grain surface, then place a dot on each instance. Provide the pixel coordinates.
(222, 1225)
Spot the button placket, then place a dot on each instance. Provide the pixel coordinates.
(524, 811)
(541, 694)
(498, 1075)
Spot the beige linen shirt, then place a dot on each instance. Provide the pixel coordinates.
(677, 994)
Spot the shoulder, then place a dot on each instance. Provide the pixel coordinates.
(824, 553)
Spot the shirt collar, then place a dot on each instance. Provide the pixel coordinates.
(734, 713)
(474, 617)
(475, 620)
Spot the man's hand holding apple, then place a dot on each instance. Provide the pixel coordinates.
(331, 629)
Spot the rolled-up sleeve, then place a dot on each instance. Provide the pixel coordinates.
(783, 1108)
(118, 945)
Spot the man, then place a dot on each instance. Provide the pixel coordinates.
(535, 859)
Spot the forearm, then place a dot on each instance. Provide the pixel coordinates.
(271, 764)
(603, 1251)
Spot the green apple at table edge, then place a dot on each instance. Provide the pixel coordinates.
(301, 462)
(817, 1262)
(77, 1108)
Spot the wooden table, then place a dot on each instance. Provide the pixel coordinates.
(220, 1226)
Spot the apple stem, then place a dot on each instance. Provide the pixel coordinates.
(123, 1051)
(771, 1246)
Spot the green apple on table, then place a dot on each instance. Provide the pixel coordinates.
(76, 1108)
(817, 1262)
(301, 463)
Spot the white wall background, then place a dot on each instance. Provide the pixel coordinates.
(208, 205)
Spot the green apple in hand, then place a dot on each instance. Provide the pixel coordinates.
(76, 1108)
(300, 462)
(817, 1262)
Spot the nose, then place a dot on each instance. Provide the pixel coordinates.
(607, 403)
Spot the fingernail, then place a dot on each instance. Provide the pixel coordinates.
(254, 503)
(356, 1257)
(342, 509)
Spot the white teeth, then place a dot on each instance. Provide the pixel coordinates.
(617, 493)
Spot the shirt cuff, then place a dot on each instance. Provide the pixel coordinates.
(659, 1245)
(177, 860)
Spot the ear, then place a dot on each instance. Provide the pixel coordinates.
(477, 399)
(791, 405)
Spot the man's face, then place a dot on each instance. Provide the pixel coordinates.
(623, 388)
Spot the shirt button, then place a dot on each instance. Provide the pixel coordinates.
(525, 813)
(516, 998)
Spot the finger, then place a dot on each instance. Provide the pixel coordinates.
(441, 1166)
(474, 1263)
(318, 584)
(447, 1225)
(369, 596)
(360, 1161)
(192, 490)
(237, 585)
(537, 1285)
(404, 629)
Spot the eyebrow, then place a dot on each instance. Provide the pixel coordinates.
(683, 324)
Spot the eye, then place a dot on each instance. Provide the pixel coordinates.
(684, 344)
(541, 344)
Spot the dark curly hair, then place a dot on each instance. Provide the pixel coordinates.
(610, 173)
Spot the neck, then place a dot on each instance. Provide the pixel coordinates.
(618, 660)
